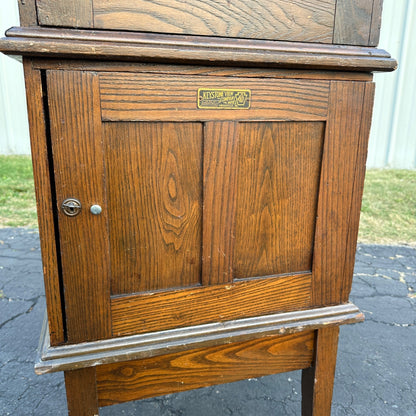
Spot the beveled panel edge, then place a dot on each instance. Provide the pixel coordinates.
(90, 354)
(147, 47)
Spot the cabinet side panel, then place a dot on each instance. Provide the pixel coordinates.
(41, 173)
(79, 173)
(278, 176)
(341, 184)
(154, 180)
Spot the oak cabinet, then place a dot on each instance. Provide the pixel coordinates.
(198, 196)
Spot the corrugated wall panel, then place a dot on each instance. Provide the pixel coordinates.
(393, 133)
(14, 131)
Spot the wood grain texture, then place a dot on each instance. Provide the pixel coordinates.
(81, 392)
(74, 13)
(154, 182)
(150, 47)
(148, 97)
(318, 380)
(197, 368)
(278, 178)
(353, 22)
(220, 194)
(220, 71)
(79, 173)
(338, 206)
(44, 203)
(182, 308)
(376, 22)
(294, 20)
(27, 12)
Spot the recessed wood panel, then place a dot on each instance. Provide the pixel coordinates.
(278, 177)
(295, 20)
(171, 373)
(154, 183)
(151, 312)
(150, 97)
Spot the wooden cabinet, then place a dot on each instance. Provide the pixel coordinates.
(198, 196)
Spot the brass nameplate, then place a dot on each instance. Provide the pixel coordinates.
(224, 99)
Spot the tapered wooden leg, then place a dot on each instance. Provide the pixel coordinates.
(81, 392)
(318, 380)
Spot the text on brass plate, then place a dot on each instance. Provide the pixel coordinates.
(223, 98)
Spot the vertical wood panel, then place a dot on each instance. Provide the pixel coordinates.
(353, 22)
(41, 173)
(344, 149)
(79, 173)
(376, 23)
(278, 177)
(81, 392)
(73, 13)
(220, 189)
(154, 177)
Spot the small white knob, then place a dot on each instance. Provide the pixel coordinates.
(96, 209)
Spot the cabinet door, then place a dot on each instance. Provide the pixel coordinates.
(211, 209)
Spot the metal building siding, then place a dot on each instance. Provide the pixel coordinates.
(14, 131)
(393, 134)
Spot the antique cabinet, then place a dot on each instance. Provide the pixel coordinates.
(199, 169)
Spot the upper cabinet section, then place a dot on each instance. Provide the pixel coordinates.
(345, 22)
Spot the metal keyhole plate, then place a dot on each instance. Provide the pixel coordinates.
(71, 207)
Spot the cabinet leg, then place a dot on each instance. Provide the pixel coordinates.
(318, 380)
(81, 392)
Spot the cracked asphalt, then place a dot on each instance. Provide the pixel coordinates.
(376, 367)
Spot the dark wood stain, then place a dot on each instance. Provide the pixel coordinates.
(133, 380)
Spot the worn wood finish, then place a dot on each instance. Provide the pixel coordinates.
(376, 22)
(27, 12)
(67, 357)
(338, 206)
(81, 392)
(151, 47)
(44, 201)
(74, 13)
(180, 308)
(220, 71)
(148, 97)
(79, 173)
(318, 380)
(353, 22)
(133, 380)
(220, 194)
(292, 20)
(154, 183)
(278, 177)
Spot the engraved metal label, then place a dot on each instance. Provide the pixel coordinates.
(224, 98)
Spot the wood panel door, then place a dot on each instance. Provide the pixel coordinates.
(209, 212)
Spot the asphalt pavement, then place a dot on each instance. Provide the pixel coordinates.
(376, 367)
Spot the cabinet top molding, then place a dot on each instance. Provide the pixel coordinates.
(150, 47)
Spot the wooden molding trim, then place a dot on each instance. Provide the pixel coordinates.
(89, 354)
(148, 47)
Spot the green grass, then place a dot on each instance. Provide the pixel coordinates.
(388, 213)
(17, 194)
